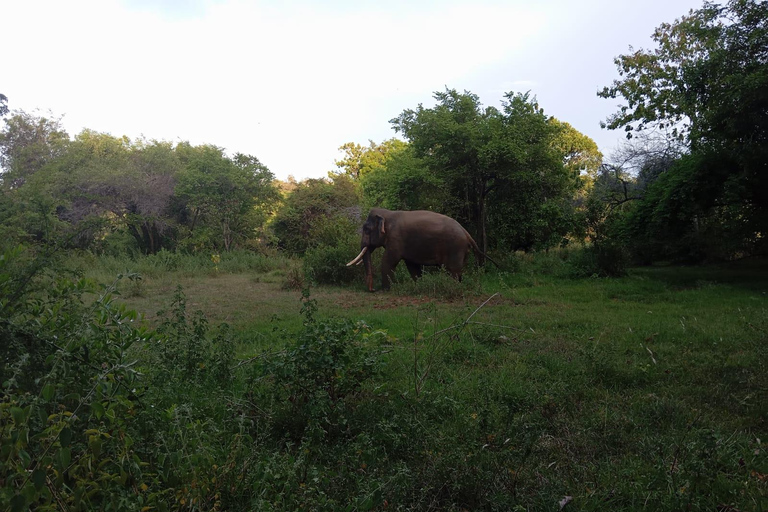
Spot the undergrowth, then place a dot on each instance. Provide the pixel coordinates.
(98, 413)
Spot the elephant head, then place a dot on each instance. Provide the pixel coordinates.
(374, 235)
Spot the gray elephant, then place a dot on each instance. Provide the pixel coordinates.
(418, 237)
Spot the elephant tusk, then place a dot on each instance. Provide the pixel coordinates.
(358, 258)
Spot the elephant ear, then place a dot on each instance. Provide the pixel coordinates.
(380, 223)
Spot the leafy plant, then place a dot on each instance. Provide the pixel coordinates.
(70, 390)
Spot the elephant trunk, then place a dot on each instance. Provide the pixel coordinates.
(368, 270)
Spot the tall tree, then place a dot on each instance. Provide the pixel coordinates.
(480, 151)
(707, 85)
(360, 160)
(147, 191)
(579, 152)
(218, 198)
(402, 182)
(27, 143)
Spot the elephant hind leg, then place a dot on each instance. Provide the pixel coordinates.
(455, 264)
(415, 269)
(456, 274)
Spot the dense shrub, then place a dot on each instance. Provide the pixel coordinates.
(327, 264)
(317, 212)
(68, 429)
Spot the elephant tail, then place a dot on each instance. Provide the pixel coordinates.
(480, 255)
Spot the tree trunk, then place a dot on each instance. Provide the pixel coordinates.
(481, 220)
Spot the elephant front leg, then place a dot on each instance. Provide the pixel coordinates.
(388, 265)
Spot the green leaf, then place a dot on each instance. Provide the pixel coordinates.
(97, 409)
(65, 457)
(94, 443)
(65, 437)
(18, 503)
(24, 458)
(48, 391)
(38, 478)
(18, 415)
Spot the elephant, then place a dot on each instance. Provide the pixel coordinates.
(419, 238)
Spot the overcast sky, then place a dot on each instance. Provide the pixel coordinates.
(291, 81)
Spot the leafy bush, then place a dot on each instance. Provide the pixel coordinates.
(327, 264)
(69, 393)
(317, 212)
(315, 380)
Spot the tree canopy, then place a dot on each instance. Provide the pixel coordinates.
(705, 85)
(503, 167)
(106, 188)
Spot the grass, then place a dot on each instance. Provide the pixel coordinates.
(648, 391)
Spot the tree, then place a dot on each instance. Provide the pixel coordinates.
(494, 163)
(3, 105)
(221, 201)
(706, 85)
(27, 143)
(317, 211)
(579, 152)
(147, 192)
(360, 160)
(403, 182)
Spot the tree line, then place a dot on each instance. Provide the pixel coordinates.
(689, 185)
(512, 173)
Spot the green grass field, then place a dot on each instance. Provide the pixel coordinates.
(643, 392)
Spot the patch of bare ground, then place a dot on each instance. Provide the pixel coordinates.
(246, 300)
(231, 298)
(385, 300)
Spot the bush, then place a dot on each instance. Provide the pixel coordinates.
(316, 379)
(328, 264)
(317, 212)
(68, 431)
(606, 260)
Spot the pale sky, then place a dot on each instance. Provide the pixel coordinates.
(291, 81)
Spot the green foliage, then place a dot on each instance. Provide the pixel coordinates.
(704, 85)
(28, 144)
(317, 380)
(680, 218)
(403, 182)
(103, 187)
(222, 200)
(327, 264)
(359, 160)
(317, 212)
(650, 381)
(67, 425)
(504, 170)
(186, 355)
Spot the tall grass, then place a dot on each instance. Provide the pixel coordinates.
(165, 262)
